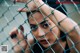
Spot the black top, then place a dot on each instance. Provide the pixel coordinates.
(38, 47)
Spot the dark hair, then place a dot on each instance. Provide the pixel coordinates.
(52, 3)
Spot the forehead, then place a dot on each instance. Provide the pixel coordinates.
(37, 17)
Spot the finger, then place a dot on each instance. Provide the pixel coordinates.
(30, 39)
(22, 41)
(22, 10)
(22, 1)
(13, 33)
(20, 34)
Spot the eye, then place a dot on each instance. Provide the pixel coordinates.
(45, 25)
(34, 27)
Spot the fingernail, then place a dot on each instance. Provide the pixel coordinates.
(19, 10)
(13, 36)
(21, 28)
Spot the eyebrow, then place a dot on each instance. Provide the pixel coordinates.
(43, 21)
(40, 22)
(33, 24)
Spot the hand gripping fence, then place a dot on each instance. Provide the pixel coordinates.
(10, 18)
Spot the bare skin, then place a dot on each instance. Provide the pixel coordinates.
(67, 25)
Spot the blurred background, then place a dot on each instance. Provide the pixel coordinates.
(10, 18)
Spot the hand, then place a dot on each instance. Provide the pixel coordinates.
(17, 36)
(32, 6)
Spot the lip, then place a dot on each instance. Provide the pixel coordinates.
(43, 41)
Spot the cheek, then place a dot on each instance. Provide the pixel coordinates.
(56, 31)
(53, 34)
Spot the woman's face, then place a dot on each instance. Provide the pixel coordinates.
(45, 32)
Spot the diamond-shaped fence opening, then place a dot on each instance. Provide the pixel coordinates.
(18, 41)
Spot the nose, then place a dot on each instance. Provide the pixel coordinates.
(41, 33)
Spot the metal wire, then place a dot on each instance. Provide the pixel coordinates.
(10, 17)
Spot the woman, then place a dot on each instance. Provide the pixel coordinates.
(48, 32)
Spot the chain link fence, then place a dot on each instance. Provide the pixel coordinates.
(10, 18)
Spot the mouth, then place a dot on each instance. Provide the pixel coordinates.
(43, 41)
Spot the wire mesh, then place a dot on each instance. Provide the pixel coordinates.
(10, 18)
